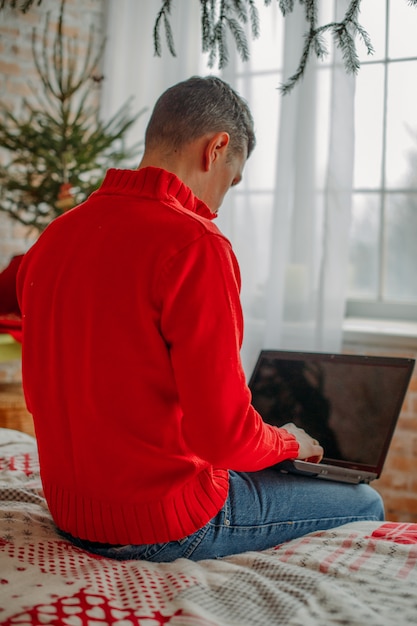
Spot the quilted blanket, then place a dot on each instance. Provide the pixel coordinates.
(360, 574)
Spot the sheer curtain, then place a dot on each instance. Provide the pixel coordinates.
(290, 222)
(289, 219)
(131, 69)
(314, 191)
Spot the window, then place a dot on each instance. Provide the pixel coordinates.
(382, 276)
(383, 239)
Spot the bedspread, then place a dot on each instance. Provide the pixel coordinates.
(359, 574)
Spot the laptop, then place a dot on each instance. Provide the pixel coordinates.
(349, 403)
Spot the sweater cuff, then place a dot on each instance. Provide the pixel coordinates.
(290, 445)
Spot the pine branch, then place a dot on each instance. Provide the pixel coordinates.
(346, 43)
(233, 17)
(313, 40)
(207, 9)
(23, 5)
(343, 32)
(217, 17)
(299, 73)
(311, 11)
(240, 10)
(219, 39)
(254, 18)
(163, 17)
(240, 38)
(285, 6)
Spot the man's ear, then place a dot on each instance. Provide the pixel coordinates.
(215, 148)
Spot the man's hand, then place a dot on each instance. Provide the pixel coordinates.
(310, 449)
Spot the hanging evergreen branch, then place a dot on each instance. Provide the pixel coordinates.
(163, 18)
(220, 17)
(22, 5)
(226, 20)
(58, 148)
(285, 6)
(343, 33)
(207, 9)
(217, 17)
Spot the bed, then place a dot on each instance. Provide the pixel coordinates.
(360, 574)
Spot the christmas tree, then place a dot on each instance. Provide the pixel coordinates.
(58, 149)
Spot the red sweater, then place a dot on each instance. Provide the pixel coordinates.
(132, 328)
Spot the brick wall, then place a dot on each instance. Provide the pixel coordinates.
(398, 482)
(10, 371)
(17, 72)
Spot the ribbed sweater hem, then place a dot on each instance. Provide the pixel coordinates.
(167, 519)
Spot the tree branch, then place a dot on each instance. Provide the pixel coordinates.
(218, 17)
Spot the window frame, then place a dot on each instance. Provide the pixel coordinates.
(380, 307)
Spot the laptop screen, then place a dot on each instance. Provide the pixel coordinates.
(350, 403)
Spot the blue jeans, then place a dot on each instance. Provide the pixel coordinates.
(262, 510)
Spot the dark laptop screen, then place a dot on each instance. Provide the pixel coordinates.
(349, 403)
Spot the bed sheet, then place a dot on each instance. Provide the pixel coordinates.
(360, 574)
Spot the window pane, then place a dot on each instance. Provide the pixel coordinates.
(369, 103)
(373, 18)
(401, 250)
(364, 245)
(401, 123)
(402, 30)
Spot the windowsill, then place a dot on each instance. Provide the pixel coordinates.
(380, 332)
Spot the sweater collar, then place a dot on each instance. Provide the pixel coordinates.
(151, 180)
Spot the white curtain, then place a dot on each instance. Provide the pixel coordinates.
(289, 219)
(130, 67)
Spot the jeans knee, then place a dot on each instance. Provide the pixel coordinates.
(375, 504)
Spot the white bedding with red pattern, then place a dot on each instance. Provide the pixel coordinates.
(362, 574)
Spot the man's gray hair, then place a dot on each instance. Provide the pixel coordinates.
(197, 106)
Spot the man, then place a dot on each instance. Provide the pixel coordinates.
(149, 446)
